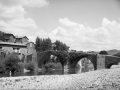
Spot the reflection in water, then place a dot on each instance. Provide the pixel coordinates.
(52, 68)
(35, 73)
(49, 71)
(52, 72)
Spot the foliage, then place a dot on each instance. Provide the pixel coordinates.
(46, 44)
(103, 52)
(61, 55)
(21, 66)
(117, 54)
(2, 36)
(2, 67)
(30, 66)
(61, 46)
(11, 62)
(43, 44)
(49, 67)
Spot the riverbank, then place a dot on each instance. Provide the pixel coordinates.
(107, 79)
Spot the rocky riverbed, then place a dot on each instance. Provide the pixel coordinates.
(106, 79)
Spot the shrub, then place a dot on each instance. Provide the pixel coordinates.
(21, 67)
(2, 67)
(103, 52)
(11, 63)
(30, 66)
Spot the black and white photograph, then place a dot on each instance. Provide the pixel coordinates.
(59, 44)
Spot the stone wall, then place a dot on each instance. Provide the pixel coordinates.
(100, 61)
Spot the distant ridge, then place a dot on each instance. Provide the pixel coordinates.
(113, 51)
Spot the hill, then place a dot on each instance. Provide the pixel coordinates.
(113, 51)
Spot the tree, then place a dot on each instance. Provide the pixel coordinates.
(62, 57)
(103, 52)
(11, 63)
(117, 54)
(37, 44)
(2, 36)
(61, 46)
(43, 44)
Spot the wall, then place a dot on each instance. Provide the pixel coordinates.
(24, 40)
(23, 51)
(10, 49)
(100, 61)
(18, 40)
(11, 39)
(31, 48)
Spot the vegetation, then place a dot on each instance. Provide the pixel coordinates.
(2, 67)
(103, 52)
(2, 36)
(46, 44)
(118, 54)
(43, 44)
(21, 67)
(11, 63)
(61, 46)
(49, 67)
(30, 66)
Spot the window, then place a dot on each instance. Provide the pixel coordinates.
(30, 44)
(17, 50)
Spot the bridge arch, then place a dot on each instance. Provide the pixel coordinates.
(43, 57)
(74, 58)
(111, 60)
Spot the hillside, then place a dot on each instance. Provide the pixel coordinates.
(113, 51)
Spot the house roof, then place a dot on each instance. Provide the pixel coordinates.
(20, 37)
(12, 44)
(7, 35)
(29, 43)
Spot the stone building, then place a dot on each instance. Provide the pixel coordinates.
(13, 47)
(21, 39)
(9, 37)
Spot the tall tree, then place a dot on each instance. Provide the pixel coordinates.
(43, 44)
(2, 36)
(61, 46)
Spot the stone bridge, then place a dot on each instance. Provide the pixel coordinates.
(98, 61)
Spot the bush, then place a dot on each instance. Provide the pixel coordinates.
(30, 66)
(103, 52)
(2, 67)
(11, 63)
(21, 67)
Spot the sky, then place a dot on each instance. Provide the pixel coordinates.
(83, 25)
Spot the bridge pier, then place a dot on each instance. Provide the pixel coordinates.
(100, 61)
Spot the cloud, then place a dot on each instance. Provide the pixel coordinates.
(12, 18)
(12, 12)
(80, 37)
(29, 3)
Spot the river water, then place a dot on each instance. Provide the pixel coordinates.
(35, 73)
(47, 72)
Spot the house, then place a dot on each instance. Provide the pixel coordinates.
(9, 37)
(30, 48)
(31, 52)
(13, 47)
(21, 39)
